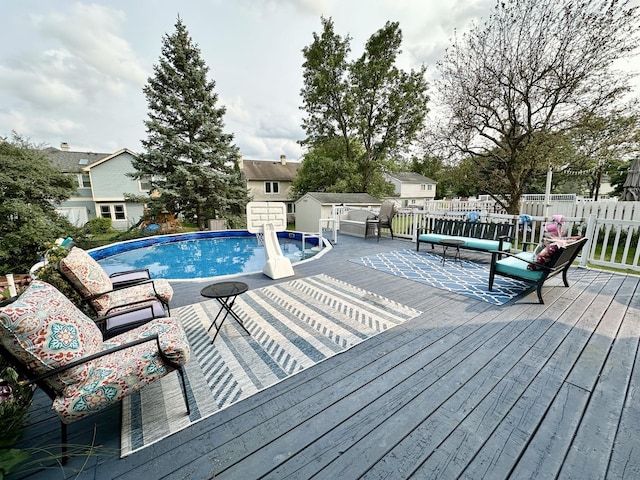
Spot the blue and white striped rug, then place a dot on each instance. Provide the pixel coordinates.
(464, 277)
(293, 326)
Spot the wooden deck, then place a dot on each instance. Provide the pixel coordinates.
(465, 390)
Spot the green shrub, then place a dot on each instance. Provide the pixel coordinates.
(236, 221)
(99, 225)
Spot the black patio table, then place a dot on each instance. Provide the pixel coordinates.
(451, 243)
(225, 293)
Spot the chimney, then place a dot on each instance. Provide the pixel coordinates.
(283, 159)
(64, 146)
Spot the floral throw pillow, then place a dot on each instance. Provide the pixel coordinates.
(544, 256)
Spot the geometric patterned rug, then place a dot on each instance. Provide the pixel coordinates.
(464, 277)
(293, 326)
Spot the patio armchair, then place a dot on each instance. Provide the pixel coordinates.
(53, 344)
(385, 217)
(108, 294)
(536, 267)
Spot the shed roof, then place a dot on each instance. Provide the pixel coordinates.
(346, 198)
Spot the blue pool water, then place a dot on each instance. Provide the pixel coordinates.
(198, 255)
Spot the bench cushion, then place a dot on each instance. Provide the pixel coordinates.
(515, 266)
(474, 243)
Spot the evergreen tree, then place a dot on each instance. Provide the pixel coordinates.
(192, 163)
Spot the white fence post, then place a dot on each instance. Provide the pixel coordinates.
(591, 234)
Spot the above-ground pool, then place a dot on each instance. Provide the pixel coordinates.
(200, 255)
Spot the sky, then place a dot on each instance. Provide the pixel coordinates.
(74, 71)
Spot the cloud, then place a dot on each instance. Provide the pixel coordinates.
(92, 35)
(69, 89)
(259, 148)
(34, 125)
(236, 111)
(35, 87)
(305, 7)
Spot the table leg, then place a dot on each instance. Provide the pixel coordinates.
(227, 307)
(235, 315)
(457, 255)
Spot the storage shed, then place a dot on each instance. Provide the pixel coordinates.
(313, 206)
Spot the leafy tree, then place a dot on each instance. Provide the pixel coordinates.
(326, 168)
(602, 145)
(617, 177)
(30, 187)
(534, 69)
(192, 163)
(367, 102)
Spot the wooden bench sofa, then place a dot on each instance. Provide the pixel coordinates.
(480, 236)
(534, 267)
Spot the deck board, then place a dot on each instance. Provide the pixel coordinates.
(589, 455)
(464, 390)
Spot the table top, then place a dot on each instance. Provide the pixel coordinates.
(224, 289)
(452, 242)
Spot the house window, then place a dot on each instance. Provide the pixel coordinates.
(430, 187)
(291, 208)
(271, 187)
(423, 187)
(145, 184)
(114, 211)
(84, 180)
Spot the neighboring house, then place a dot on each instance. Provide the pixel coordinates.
(102, 185)
(313, 206)
(269, 181)
(411, 189)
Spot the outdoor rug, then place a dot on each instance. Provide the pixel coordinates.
(293, 326)
(465, 277)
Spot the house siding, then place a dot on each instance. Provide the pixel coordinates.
(408, 189)
(109, 180)
(256, 190)
(110, 183)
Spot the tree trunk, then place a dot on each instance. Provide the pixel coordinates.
(596, 191)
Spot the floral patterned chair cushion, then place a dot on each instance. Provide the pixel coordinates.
(120, 299)
(122, 373)
(93, 283)
(43, 330)
(86, 275)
